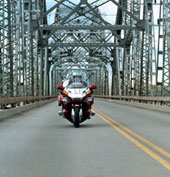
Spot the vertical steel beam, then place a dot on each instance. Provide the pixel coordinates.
(10, 49)
(147, 57)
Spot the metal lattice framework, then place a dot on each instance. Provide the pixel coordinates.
(129, 57)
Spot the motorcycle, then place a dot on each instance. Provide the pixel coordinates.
(76, 101)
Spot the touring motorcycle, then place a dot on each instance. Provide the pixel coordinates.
(76, 100)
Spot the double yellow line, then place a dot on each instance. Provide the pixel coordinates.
(127, 133)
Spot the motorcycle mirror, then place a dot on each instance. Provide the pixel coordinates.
(93, 86)
(60, 87)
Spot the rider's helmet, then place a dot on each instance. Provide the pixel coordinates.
(77, 76)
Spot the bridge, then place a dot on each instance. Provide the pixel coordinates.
(123, 47)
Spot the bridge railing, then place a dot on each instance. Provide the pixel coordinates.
(17, 101)
(156, 100)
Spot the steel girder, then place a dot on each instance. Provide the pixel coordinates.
(128, 14)
(146, 50)
(78, 27)
(22, 54)
(91, 44)
(7, 58)
(10, 48)
(136, 68)
(33, 54)
(80, 38)
(163, 59)
(134, 52)
(87, 27)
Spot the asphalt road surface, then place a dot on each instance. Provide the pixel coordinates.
(119, 141)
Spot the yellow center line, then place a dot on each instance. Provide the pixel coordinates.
(162, 151)
(141, 146)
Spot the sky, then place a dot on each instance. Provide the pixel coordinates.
(108, 10)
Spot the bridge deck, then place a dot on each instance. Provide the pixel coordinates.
(39, 143)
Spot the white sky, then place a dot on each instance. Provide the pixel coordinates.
(108, 10)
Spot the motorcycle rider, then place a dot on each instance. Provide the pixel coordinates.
(76, 80)
(76, 98)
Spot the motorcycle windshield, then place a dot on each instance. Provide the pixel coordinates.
(77, 85)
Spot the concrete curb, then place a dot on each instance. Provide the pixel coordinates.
(12, 112)
(164, 109)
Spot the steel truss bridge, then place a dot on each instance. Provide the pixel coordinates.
(128, 58)
(123, 46)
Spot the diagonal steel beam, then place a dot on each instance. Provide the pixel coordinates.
(124, 9)
(71, 13)
(96, 14)
(51, 9)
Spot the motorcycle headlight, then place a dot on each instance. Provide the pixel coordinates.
(64, 99)
(88, 92)
(65, 92)
(89, 99)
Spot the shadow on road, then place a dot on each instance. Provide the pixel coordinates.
(102, 125)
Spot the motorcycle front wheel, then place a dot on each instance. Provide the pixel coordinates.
(76, 117)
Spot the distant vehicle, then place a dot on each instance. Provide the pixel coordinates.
(76, 98)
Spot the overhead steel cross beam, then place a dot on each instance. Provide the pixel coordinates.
(139, 27)
(89, 45)
(88, 27)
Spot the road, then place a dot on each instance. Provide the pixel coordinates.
(119, 141)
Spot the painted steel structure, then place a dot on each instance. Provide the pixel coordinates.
(35, 55)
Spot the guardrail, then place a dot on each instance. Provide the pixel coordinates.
(156, 100)
(13, 101)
